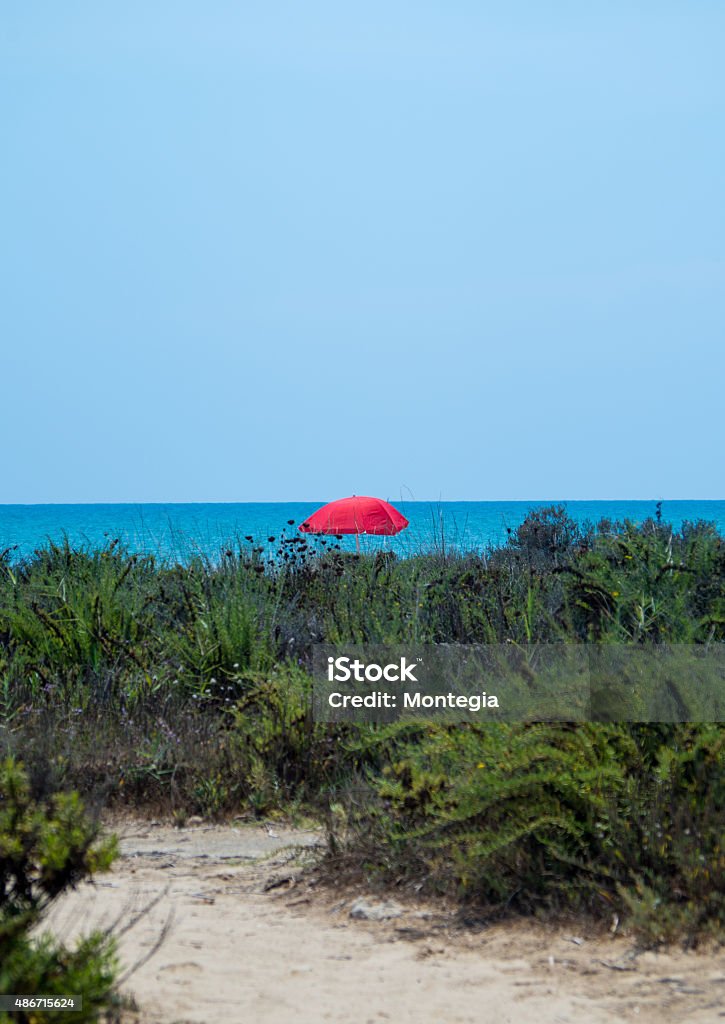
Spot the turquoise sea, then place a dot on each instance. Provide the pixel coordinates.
(177, 531)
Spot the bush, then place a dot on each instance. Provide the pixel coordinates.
(46, 847)
(600, 818)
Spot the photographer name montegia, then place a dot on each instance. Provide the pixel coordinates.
(414, 701)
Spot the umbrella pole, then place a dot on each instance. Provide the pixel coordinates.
(357, 542)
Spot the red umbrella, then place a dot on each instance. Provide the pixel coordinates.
(356, 515)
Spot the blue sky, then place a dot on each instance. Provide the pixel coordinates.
(269, 251)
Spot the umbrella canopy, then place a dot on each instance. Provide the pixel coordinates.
(356, 515)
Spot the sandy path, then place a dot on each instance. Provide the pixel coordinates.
(239, 953)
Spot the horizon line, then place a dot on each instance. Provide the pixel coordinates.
(312, 501)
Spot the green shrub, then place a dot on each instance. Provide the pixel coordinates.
(46, 847)
(598, 817)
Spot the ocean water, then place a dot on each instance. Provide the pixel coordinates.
(178, 531)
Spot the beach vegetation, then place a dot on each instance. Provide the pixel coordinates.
(48, 844)
(185, 688)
